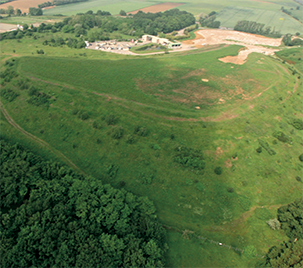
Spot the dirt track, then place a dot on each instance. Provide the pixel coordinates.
(34, 138)
(252, 43)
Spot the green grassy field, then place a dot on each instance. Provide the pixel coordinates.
(241, 107)
(114, 7)
(31, 19)
(282, 22)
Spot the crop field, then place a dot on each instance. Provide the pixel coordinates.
(282, 22)
(132, 122)
(157, 8)
(23, 5)
(194, 6)
(113, 7)
(30, 20)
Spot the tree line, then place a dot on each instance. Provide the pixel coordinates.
(256, 28)
(289, 41)
(210, 20)
(166, 22)
(52, 216)
(289, 253)
(59, 2)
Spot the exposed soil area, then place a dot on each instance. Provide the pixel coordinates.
(23, 5)
(4, 27)
(252, 43)
(157, 8)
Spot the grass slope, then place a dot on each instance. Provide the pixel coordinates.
(160, 93)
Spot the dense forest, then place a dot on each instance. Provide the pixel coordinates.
(256, 28)
(288, 253)
(52, 216)
(166, 22)
(97, 26)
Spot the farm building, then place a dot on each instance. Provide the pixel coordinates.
(174, 45)
(162, 41)
(155, 39)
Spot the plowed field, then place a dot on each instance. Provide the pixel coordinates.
(157, 8)
(23, 5)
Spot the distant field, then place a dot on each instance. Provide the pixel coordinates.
(194, 6)
(30, 20)
(23, 5)
(113, 7)
(229, 16)
(157, 8)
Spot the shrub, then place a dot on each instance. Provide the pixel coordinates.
(146, 178)
(9, 94)
(141, 131)
(250, 251)
(117, 133)
(265, 145)
(230, 189)
(97, 124)
(189, 157)
(301, 157)
(83, 115)
(200, 186)
(130, 139)
(112, 170)
(282, 137)
(111, 119)
(274, 224)
(259, 150)
(155, 146)
(297, 123)
(218, 170)
(298, 179)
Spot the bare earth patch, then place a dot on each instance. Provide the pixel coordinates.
(157, 8)
(23, 5)
(4, 27)
(252, 43)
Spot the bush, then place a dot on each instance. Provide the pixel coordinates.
(141, 131)
(9, 94)
(230, 190)
(117, 133)
(218, 170)
(130, 139)
(301, 157)
(297, 123)
(189, 157)
(298, 179)
(259, 150)
(282, 137)
(83, 115)
(250, 251)
(265, 145)
(97, 124)
(111, 119)
(200, 186)
(274, 224)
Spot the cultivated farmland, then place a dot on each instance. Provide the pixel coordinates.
(113, 7)
(23, 5)
(156, 8)
(282, 22)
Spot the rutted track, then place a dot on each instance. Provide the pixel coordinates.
(34, 138)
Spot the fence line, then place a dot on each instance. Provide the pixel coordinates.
(208, 240)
